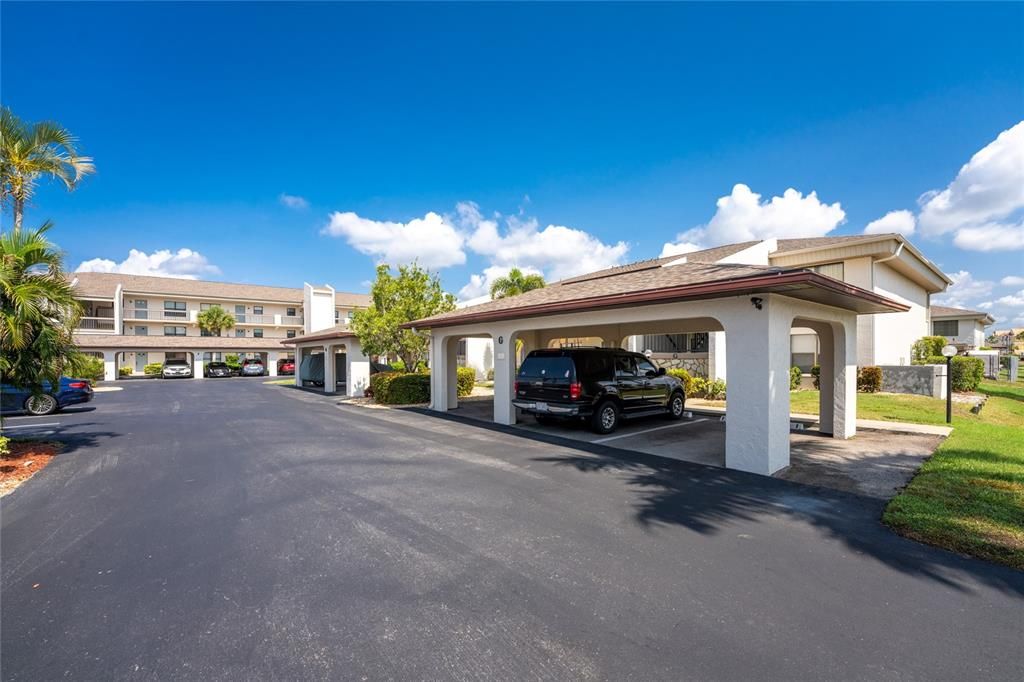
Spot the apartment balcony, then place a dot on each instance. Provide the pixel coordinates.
(98, 325)
(292, 320)
(253, 319)
(173, 315)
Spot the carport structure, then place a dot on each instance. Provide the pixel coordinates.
(338, 344)
(112, 349)
(755, 306)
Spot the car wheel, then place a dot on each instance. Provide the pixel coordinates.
(41, 404)
(676, 405)
(606, 417)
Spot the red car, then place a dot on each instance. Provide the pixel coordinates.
(286, 366)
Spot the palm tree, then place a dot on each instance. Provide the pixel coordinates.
(215, 319)
(38, 310)
(29, 151)
(515, 283)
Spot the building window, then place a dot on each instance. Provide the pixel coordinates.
(290, 312)
(239, 332)
(141, 331)
(699, 343)
(258, 333)
(205, 306)
(211, 357)
(833, 270)
(174, 309)
(946, 327)
(290, 334)
(205, 332)
(257, 310)
(337, 316)
(174, 331)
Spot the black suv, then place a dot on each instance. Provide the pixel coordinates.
(600, 384)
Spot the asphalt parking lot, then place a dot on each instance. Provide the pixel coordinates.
(875, 463)
(230, 530)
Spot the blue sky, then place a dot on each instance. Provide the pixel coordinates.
(460, 133)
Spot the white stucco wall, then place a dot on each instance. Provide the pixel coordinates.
(318, 303)
(971, 332)
(895, 333)
(480, 356)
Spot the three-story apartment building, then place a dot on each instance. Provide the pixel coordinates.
(134, 320)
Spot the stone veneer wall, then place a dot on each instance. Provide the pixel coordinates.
(926, 380)
(695, 364)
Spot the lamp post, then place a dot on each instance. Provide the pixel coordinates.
(948, 351)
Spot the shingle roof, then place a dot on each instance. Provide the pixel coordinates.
(338, 331)
(104, 284)
(947, 311)
(785, 245)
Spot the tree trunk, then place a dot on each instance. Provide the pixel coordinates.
(19, 212)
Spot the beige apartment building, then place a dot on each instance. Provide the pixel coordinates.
(134, 320)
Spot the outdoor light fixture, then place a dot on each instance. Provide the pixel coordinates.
(757, 301)
(948, 351)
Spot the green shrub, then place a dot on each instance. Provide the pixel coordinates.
(686, 378)
(869, 379)
(966, 373)
(700, 387)
(232, 361)
(715, 390)
(125, 371)
(5, 446)
(379, 384)
(794, 378)
(490, 374)
(86, 367)
(153, 368)
(925, 348)
(399, 366)
(466, 381)
(816, 373)
(408, 388)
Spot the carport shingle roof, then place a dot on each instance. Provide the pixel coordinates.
(126, 342)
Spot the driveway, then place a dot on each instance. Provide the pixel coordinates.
(235, 530)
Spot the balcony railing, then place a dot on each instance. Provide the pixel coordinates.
(291, 319)
(254, 319)
(96, 324)
(177, 315)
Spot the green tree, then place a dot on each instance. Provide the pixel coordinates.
(412, 295)
(28, 151)
(515, 283)
(38, 308)
(215, 319)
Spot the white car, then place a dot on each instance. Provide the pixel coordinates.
(176, 369)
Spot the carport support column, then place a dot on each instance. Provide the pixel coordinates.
(272, 363)
(198, 367)
(757, 417)
(438, 372)
(357, 369)
(504, 376)
(844, 383)
(330, 384)
(451, 371)
(109, 365)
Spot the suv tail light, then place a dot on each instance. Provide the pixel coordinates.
(78, 384)
(515, 386)
(575, 390)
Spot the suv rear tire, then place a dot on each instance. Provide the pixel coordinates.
(676, 405)
(606, 417)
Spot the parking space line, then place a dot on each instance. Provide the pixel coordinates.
(31, 426)
(638, 433)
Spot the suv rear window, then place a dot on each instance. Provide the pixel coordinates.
(253, 362)
(547, 367)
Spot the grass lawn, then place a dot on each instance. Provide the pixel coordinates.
(969, 497)
(281, 382)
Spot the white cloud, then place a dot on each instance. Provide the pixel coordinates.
(1012, 281)
(1012, 301)
(479, 286)
(183, 264)
(742, 216)
(964, 290)
(671, 249)
(431, 240)
(902, 222)
(292, 201)
(983, 204)
(556, 251)
(991, 237)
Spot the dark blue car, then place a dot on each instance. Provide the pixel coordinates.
(72, 392)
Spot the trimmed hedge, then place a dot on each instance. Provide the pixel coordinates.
(926, 348)
(86, 367)
(402, 388)
(967, 372)
(794, 378)
(869, 379)
(153, 368)
(124, 371)
(816, 373)
(686, 378)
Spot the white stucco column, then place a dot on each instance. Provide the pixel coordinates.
(329, 373)
(716, 356)
(109, 365)
(298, 364)
(504, 376)
(826, 378)
(198, 365)
(757, 416)
(272, 363)
(451, 364)
(844, 383)
(438, 371)
(357, 369)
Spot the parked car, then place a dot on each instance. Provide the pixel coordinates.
(69, 392)
(176, 369)
(286, 366)
(252, 368)
(601, 385)
(218, 369)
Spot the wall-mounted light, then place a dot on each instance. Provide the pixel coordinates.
(757, 302)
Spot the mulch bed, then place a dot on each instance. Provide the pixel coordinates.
(23, 461)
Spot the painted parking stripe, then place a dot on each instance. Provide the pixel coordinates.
(637, 433)
(31, 426)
